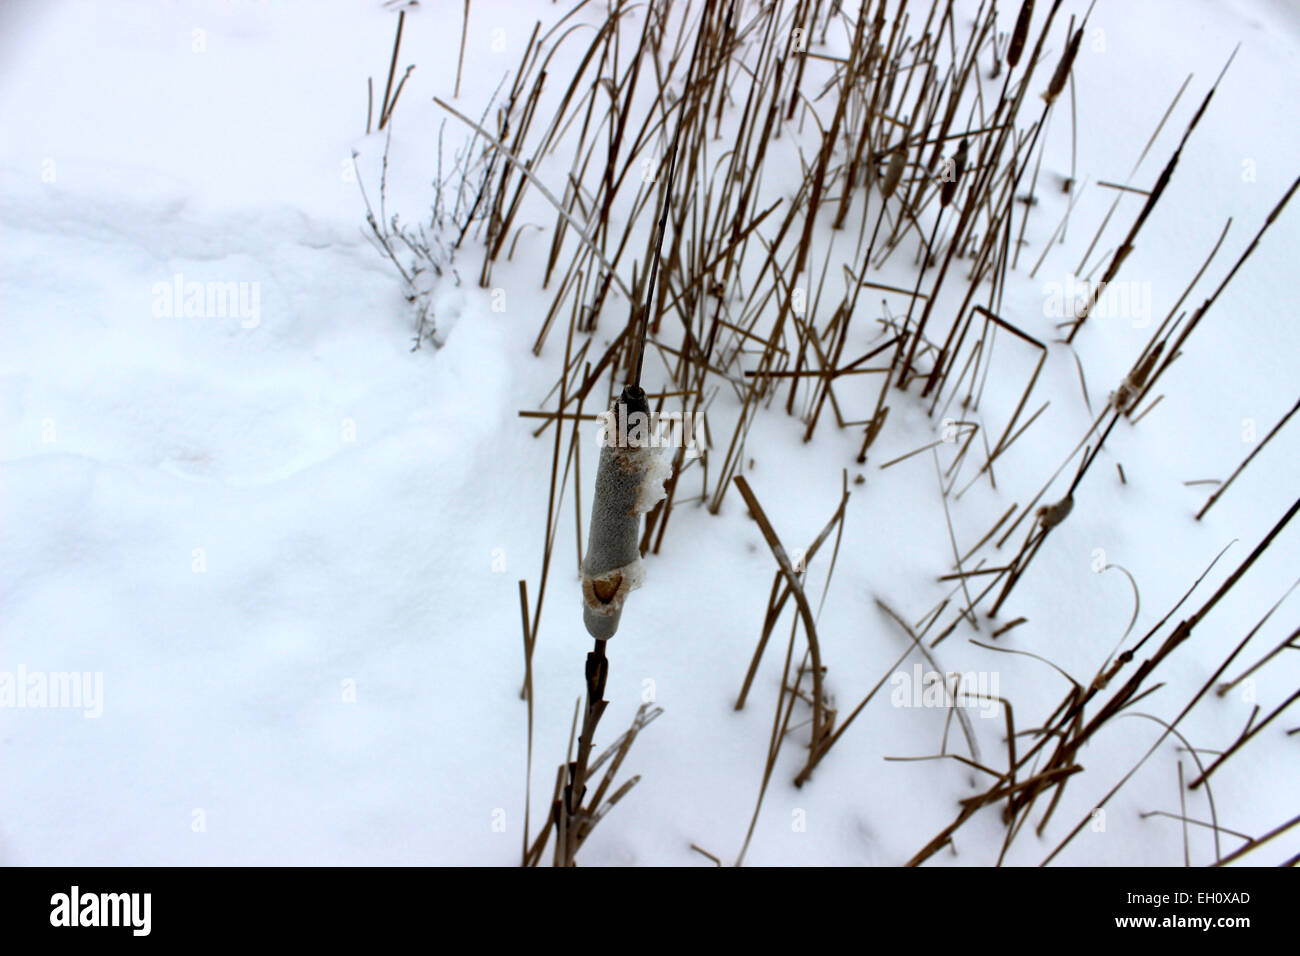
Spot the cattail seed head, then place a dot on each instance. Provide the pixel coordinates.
(1129, 390)
(1063, 68)
(1017, 45)
(1049, 516)
(629, 482)
(894, 171)
(1139, 375)
(1122, 398)
(949, 189)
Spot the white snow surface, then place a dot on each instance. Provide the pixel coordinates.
(292, 547)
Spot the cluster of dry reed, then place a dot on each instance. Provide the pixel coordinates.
(759, 298)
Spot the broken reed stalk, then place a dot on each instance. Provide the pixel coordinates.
(1256, 844)
(1287, 643)
(795, 587)
(569, 816)
(1126, 247)
(460, 58)
(1054, 88)
(1173, 352)
(390, 98)
(1242, 467)
(1243, 738)
(947, 192)
(1105, 221)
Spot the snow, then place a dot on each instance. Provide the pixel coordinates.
(291, 545)
(658, 469)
